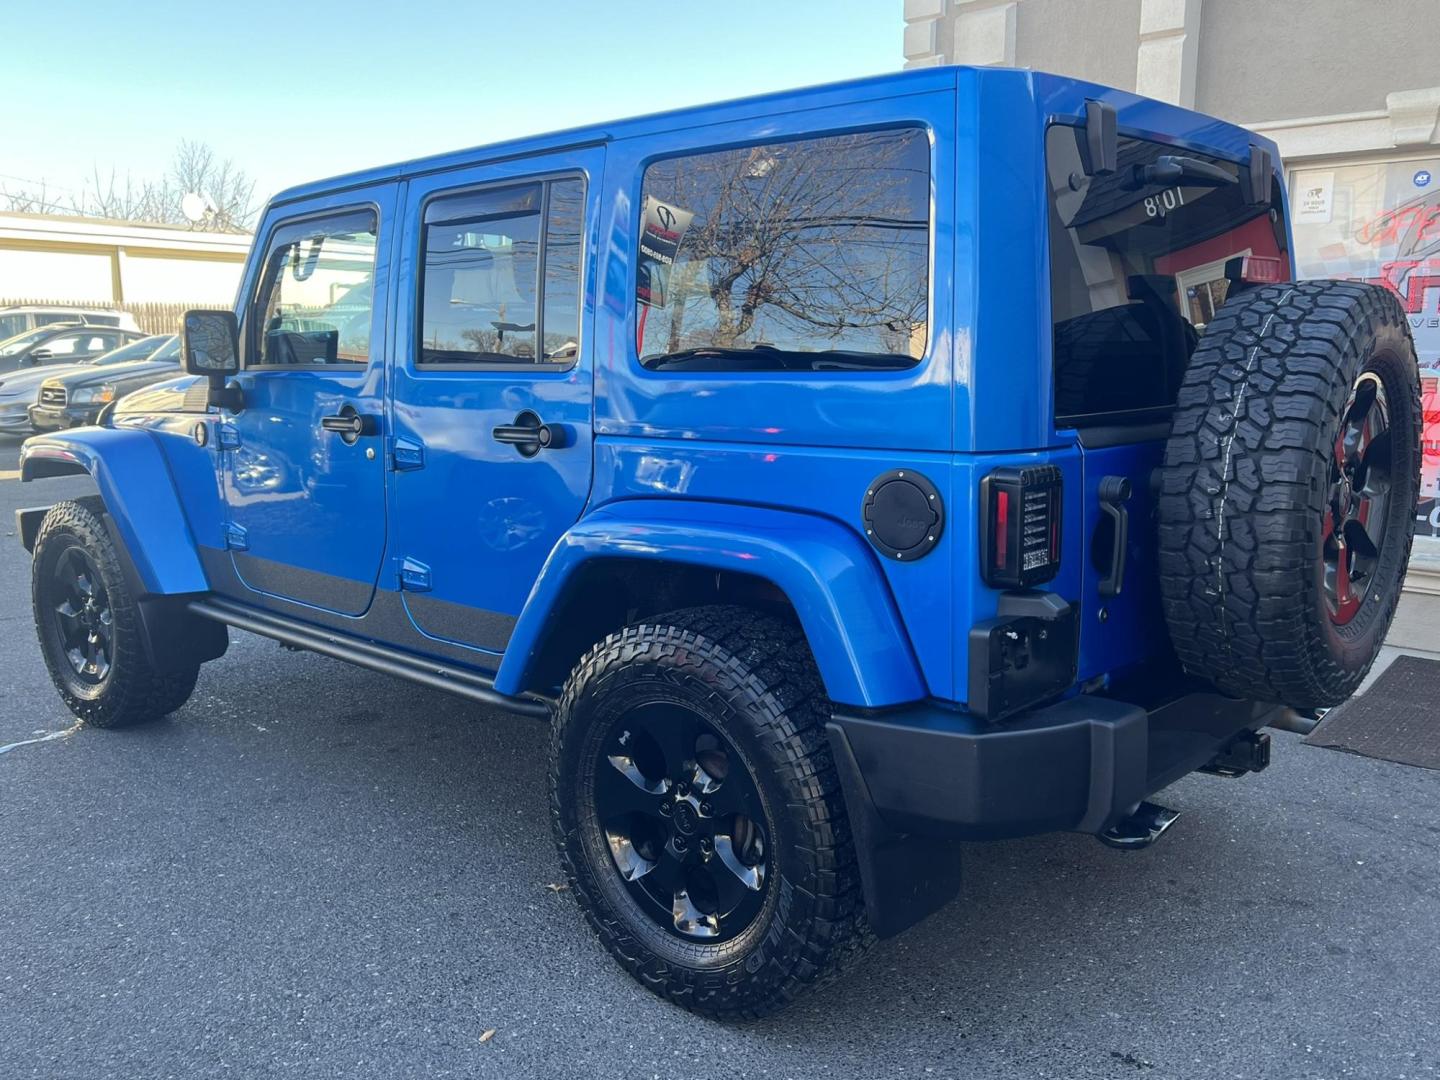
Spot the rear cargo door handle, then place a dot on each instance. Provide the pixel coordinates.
(1114, 493)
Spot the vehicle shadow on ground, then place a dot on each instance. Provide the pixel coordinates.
(1046, 919)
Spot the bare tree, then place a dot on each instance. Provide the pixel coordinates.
(227, 191)
(122, 200)
(35, 200)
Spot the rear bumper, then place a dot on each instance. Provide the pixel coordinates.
(1079, 765)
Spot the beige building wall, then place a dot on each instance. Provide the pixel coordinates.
(88, 260)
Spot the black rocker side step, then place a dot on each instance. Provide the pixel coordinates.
(1140, 828)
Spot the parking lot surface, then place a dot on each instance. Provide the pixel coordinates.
(315, 871)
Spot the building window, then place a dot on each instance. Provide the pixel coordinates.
(502, 273)
(808, 255)
(1380, 222)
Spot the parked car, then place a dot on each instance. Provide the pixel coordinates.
(61, 344)
(16, 319)
(75, 398)
(20, 389)
(836, 470)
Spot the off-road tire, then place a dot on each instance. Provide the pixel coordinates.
(1247, 484)
(132, 691)
(754, 677)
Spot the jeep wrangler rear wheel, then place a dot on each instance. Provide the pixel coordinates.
(698, 813)
(89, 625)
(1288, 491)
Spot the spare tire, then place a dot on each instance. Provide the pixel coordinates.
(1287, 497)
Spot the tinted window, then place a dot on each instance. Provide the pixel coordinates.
(10, 325)
(49, 318)
(1134, 263)
(136, 350)
(316, 295)
(67, 345)
(809, 255)
(502, 272)
(23, 341)
(103, 320)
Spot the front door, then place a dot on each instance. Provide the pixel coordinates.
(492, 388)
(303, 475)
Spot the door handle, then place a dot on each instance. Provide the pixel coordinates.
(529, 434)
(350, 425)
(1114, 493)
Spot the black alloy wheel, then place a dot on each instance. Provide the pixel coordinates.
(682, 818)
(1355, 513)
(698, 813)
(83, 618)
(91, 632)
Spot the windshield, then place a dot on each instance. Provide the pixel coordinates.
(23, 341)
(136, 350)
(1137, 268)
(170, 351)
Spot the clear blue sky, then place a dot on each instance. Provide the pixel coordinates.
(303, 89)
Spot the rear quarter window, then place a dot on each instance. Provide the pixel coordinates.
(809, 255)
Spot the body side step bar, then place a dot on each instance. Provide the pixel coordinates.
(367, 654)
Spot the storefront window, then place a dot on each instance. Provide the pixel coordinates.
(1380, 222)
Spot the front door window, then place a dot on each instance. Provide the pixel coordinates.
(317, 300)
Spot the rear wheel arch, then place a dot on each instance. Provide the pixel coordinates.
(604, 595)
(679, 553)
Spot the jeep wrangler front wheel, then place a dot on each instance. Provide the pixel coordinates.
(698, 813)
(89, 625)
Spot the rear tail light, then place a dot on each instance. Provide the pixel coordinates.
(1020, 526)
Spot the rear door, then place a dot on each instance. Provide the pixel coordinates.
(492, 387)
(1137, 268)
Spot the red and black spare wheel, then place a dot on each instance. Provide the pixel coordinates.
(1288, 491)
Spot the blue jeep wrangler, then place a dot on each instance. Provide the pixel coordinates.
(947, 455)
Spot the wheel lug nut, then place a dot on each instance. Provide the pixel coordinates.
(705, 808)
(680, 843)
(706, 846)
(665, 810)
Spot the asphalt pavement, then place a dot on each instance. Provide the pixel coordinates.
(315, 871)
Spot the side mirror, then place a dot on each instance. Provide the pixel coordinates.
(210, 346)
(39, 356)
(210, 343)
